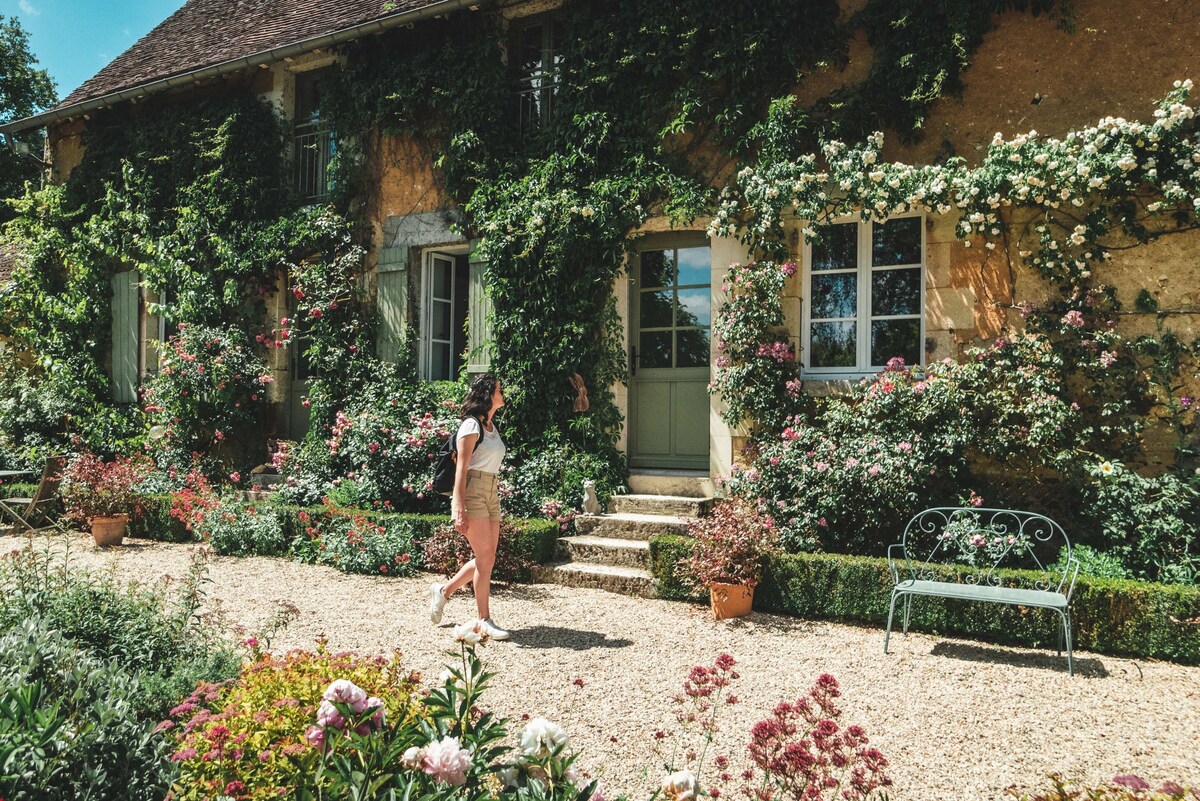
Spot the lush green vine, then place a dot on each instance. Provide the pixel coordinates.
(654, 101)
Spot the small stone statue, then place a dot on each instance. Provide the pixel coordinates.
(591, 504)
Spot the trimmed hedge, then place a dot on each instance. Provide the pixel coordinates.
(536, 540)
(1109, 616)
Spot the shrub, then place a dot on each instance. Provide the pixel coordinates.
(162, 640)
(359, 543)
(729, 545)
(378, 450)
(235, 528)
(209, 384)
(447, 550)
(850, 476)
(95, 488)
(1109, 616)
(252, 730)
(67, 727)
(1092, 563)
(555, 471)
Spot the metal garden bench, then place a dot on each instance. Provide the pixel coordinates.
(983, 541)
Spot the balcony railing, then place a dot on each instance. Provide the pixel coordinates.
(314, 146)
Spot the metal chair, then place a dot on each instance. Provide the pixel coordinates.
(36, 512)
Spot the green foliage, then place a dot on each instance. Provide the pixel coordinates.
(24, 90)
(556, 469)
(160, 640)
(644, 89)
(210, 384)
(1091, 563)
(251, 730)
(356, 542)
(235, 528)
(67, 727)
(1110, 616)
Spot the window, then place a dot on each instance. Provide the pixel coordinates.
(538, 58)
(674, 308)
(445, 318)
(864, 298)
(313, 140)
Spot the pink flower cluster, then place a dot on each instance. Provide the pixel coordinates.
(349, 695)
(805, 754)
(780, 352)
(445, 760)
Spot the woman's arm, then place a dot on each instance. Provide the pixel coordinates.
(466, 449)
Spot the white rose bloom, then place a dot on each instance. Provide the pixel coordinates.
(541, 737)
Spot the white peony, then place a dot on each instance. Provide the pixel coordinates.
(680, 786)
(541, 738)
(469, 633)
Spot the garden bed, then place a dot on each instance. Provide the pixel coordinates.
(631, 654)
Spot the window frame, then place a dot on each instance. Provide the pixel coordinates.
(457, 293)
(324, 140)
(550, 66)
(863, 317)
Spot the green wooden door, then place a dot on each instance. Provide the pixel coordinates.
(670, 315)
(125, 320)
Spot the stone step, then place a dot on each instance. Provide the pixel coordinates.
(688, 483)
(614, 578)
(670, 505)
(628, 526)
(604, 550)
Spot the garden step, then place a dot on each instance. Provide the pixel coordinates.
(614, 578)
(672, 505)
(689, 483)
(628, 526)
(605, 550)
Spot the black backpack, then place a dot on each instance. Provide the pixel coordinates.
(446, 464)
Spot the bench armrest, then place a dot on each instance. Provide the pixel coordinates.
(895, 555)
(1069, 576)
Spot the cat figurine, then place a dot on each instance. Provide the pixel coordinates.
(591, 504)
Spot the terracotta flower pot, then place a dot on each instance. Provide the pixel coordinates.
(108, 531)
(730, 600)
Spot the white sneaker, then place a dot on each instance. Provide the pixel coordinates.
(437, 602)
(486, 626)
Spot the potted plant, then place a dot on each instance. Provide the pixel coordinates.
(727, 557)
(102, 494)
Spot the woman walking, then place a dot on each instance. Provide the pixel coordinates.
(474, 505)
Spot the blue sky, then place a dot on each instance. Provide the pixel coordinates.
(74, 39)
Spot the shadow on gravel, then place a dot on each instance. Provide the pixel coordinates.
(1092, 668)
(557, 637)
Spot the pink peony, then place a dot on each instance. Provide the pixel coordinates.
(347, 692)
(447, 761)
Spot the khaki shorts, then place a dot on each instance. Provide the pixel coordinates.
(481, 499)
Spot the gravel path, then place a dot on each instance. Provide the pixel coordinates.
(956, 719)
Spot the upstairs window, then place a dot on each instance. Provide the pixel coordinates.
(864, 297)
(313, 143)
(538, 59)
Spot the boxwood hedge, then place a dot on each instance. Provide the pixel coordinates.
(1110, 616)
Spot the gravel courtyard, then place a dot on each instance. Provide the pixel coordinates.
(956, 719)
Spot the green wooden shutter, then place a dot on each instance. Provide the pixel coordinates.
(391, 299)
(479, 324)
(125, 337)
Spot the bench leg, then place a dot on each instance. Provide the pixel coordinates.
(891, 611)
(907, 608)
(1066, 618)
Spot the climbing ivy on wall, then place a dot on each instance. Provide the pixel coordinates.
(656, 103)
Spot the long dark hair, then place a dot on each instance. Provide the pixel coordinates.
(479, 396)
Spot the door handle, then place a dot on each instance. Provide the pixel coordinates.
(633, 359)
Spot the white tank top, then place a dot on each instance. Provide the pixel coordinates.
(489, 448)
